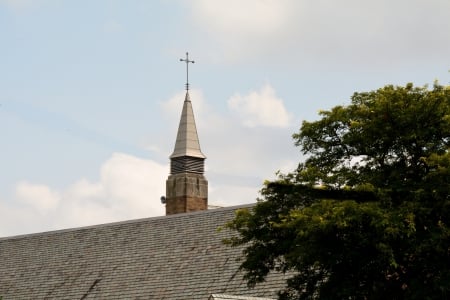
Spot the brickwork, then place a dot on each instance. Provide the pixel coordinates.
(183, 204)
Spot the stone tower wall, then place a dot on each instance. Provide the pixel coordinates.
(186, 192)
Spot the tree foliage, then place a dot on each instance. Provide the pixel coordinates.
(367, 214)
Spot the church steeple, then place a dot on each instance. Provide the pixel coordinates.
(187, 156)
(186, 187)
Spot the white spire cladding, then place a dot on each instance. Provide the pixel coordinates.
(187, 143)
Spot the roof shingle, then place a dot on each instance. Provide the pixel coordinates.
(173, 257)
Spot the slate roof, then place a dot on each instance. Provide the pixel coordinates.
(172, 257)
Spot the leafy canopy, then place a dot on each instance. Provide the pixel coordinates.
(366, 215)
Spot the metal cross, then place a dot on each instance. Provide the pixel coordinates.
(187, 69)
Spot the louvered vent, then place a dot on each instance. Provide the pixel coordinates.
(187, 164)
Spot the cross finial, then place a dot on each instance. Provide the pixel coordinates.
(187, 68)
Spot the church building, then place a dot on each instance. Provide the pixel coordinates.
(177, 256)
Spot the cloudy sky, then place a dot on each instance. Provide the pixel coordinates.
(91, 93)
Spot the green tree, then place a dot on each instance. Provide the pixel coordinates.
(367, 214)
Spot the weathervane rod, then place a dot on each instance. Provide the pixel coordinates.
(187, 68)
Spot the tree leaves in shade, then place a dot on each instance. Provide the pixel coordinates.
(367, 214)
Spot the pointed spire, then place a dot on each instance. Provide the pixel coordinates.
(187, 143)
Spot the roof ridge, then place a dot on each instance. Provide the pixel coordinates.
(234, 297)
(180, 215)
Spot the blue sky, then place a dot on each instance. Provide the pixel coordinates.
(91, 93)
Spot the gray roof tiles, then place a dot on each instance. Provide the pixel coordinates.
(173, 257)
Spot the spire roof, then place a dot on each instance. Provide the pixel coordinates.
(187, 143)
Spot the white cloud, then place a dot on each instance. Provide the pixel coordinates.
(38, 196)
(260, 108)
(134, 182)
(129, 187)
(83, 189)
